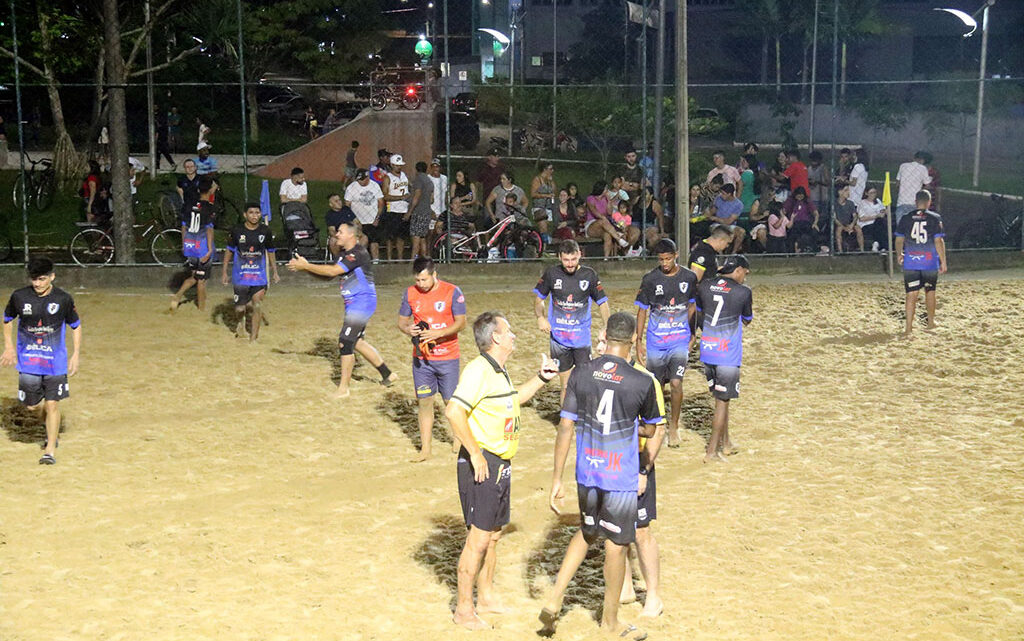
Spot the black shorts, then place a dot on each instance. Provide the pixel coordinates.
(916, 279)
(34, 388)
(485, 505)
(608, 514)
(245, 293)
(200, 270)
(351, 330)
(374, 234)
(569, 357)
(723, 381)
(392, 226)
(647, 503)
(668, 364)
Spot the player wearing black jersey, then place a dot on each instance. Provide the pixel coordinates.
(612, 404)
(704, 255)
(572, 288)
(921, 248)
(251, 244)
(728, 306)
(197, 243)
(40, 353)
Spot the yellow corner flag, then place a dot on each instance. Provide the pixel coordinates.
(886, 192)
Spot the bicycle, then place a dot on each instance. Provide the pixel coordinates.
(93, 246)
(999, 227)
(42, 184)
(505, 235)
(408, 98)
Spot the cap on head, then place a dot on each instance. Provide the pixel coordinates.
(203, 145)
(435, 162)
(494, 151)
(732, 263)
(362, 174)
(383, 152)
(397, 160)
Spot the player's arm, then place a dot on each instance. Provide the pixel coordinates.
(697, 269)
(272, 261)
(940, 246)
(9, 356)
(899, 248)
(209, 243)
(225, 266)
(300, 264)
(541, 291)
(563, 441)
(548, 371)
(406, 326)
(641, 333)
(76, 346)
(604, 310)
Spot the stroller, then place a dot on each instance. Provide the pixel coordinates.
(299, 230)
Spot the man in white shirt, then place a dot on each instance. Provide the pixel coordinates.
(294, 189)
(911, 178)
(858, 179)
(366, 200)
(440, 203)
(135, 172)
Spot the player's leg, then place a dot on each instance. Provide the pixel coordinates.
(370, 353)
(650, 568)
(447, 373)
(617, 516)
(911, 283)
(614, 574)
(930, 279)
(575, 553)
(257, 313)
(628, 594)
(487, 600)
(52, 409)
(185, 286)
(470, 561)
(719, 422)
(424, 381)
(675, 386)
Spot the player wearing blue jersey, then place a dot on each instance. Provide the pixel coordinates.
(921, 248)
(728, 306)
(572, 288)
(197, 243)
(665, 311)
(610, 404)
(40, 352)
(360, 295)
(251, 245)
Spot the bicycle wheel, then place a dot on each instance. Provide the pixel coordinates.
(166, 248)
(18, 192)
(379, 101)
(92, 247)
(528, 244)
(411, 101)
(168, 206)
(45, 190)
(440, 252)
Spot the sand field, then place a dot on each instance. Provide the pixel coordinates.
(211, 489)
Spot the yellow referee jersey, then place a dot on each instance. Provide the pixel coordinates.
(661, 398)
(487, 393)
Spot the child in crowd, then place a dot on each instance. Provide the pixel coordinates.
(778, 226)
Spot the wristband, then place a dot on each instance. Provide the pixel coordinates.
(644, 471)
(544, 380)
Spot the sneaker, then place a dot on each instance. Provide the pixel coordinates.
(634, 252)
(47, 459)
(874, 246)
(623, 242)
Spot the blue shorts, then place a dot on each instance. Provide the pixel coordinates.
(668, 364)
(431, 377)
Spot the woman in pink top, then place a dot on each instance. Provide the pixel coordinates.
(778, 224)
(598, 223)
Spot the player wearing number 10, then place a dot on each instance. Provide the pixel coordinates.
(921, 247)
(727, 306)
(197, 243)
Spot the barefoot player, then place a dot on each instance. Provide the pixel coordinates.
(251, 244)
(360, 295)
(727, 306)
(921, 247)
(666, 307)
(433, 312)
(572, 288)
(609, 401)
(484, 414)
(197, 243)
(41, 355)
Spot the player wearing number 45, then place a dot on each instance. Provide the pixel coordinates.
(41, 355)
(921, 247)
(727, 305)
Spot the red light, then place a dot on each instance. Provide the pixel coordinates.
(410, 91)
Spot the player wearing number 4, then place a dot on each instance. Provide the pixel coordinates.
(41, 355)
(252, 246)
(666, 308)
(727, 306)
(921, 247)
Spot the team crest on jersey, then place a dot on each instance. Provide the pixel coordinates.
(700, 259)
(584, 284)
(609, 367)
(659, 290)
(241, 238)
(52, 308)
(27, 309)
(558, 284)
(261, 237)
(439, 305)
(683, 287)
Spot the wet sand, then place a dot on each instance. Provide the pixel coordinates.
(211, 489)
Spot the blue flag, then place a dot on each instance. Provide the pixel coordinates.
(265, 201)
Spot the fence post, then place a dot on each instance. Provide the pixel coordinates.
(682, 136)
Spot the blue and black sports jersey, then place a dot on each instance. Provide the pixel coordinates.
(194, 225)
(41, 321)
(667, 299)
(607, 398)
(919, 229)
(250, 248)
(357, 286)
(726, 305)
(571, 295)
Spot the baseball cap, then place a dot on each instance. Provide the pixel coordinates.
(494, 152)
(436, 161)
(397, 160)
(734, 262)
(203, 145)
(361, 173)
(383, 152)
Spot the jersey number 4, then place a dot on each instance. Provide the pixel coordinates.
(604, 411)
(919, 232)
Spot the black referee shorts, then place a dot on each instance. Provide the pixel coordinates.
(485, 505)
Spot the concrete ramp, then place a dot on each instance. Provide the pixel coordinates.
(402, 131)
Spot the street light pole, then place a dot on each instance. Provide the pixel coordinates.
(981, 91)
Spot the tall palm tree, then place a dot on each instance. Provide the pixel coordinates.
(858, 20)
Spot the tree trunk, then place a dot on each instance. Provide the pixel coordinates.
(66, 161)
(124, 240)
(254, 112)
(842, 76)
(764, 59)
(778, 66)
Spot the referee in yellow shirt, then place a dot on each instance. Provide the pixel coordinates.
(484, 414)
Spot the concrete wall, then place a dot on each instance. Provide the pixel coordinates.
(405, 132)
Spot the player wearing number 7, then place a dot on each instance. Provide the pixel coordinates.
(727, 305)
(921, 248)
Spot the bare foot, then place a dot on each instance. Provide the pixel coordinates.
(931, 326)
(471, 622)
(907, 335)
(419, 458)
(714, 458)
(342, 393)
(653, 608)
(490, 606)
(175, 303)
(729, 449)
(674, 438)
